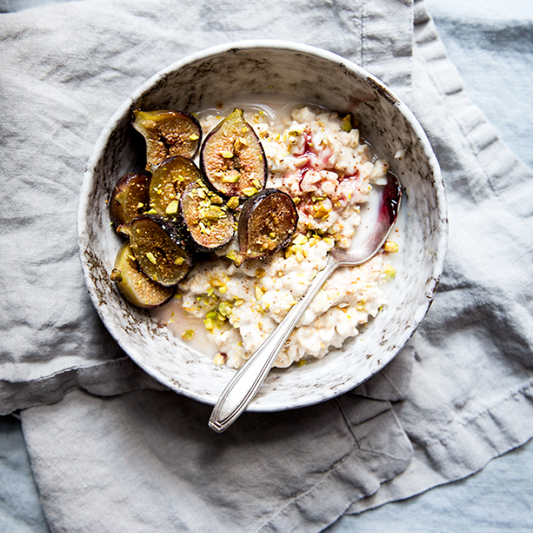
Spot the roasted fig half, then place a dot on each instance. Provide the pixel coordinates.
(208, 222)
(129, 198)
(168, 182)
(157, 251)
(167, 133)
(232, 158)
(136, 286)
(266, 224)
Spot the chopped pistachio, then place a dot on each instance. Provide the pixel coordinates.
(232, 255)
(179, 260)
(233, 202)
(391, 247)
(188, 334)
(213, 213)
(172, 208)
(226, 154)
(300, 239)
(150, 256)
(321, 211)
(249, 191)
(225, 309)
(390, 273)
(347, 123)
(231, 178)
(194, 137)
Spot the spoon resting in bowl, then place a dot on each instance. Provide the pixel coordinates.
(243, 387)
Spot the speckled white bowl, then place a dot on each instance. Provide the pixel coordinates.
(307, 74)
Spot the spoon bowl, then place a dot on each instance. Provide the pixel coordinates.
(245, 384)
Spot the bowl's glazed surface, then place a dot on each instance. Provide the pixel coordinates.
(308, 75)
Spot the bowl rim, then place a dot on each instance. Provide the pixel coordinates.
(235, 46)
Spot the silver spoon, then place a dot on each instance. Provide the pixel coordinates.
(241, 390)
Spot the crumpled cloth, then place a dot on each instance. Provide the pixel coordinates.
(458, 395)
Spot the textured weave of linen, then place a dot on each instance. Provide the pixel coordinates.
(144, 460)
(68, 67)
(477, 336)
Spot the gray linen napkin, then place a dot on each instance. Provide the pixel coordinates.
(145, 459)
(472, 384)
(66, 68)
(469, 398)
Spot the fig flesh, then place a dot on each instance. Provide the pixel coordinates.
(169, 180)
(267, 223)
(129, 198)
(167, 133)
(157, 251)
(136, 286)
(232, 158)
(209, 223)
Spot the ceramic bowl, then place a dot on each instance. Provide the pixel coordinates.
(306, 74)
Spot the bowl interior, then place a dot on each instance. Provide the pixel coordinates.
(307, 75)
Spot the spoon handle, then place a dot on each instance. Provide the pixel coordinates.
(241, 390)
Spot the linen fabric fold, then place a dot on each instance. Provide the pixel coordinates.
(460, 391)
(66, 69)
(471, 393)
(148, 462)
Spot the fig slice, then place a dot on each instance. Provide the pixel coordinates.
(158, 251)
(169, 180)
(129, 198)
(209, 223)
(267, 222)
(136, 286)
(232, 158)
(167, 133)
